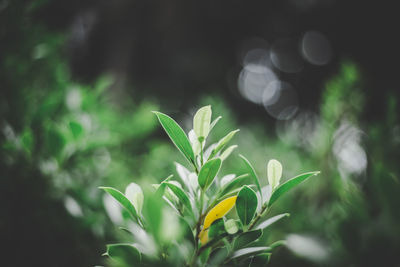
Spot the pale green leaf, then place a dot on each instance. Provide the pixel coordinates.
(201, 122)
(223, 142)
(227, 152)
(250, 251)
(274, 172)
(135, 194)
(271, 220)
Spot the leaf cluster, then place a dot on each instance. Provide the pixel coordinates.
(202, 219)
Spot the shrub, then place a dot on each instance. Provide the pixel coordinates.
(191, 223)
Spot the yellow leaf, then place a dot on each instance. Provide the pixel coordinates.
(216, 213)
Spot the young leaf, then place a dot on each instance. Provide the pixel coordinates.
(252, 173)
(274, 172)
(283, 188)
(135, 194)
(177, 135)
(246, 204)
(124, 253)
(208, 172)
(231, 227)
(222, 143)
(201, 122)
(227, 152)
(195, 142)
(215, 122)
(121, 198)
(246, 238)
(181, 195)
(250, 251)
(271, 220)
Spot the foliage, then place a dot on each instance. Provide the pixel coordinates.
(191, 223)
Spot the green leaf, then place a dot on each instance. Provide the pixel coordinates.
(289, 185)
(201, 122)
(252, 173)
(216, 229)
(274, 172)
(125, 253)
(250, 251)
(231, 226)
(232, 185)
(214, 122)
(75, 128)
(222, 143)
(271, 220)
(227, 152)
(181, 195)
(121, 198)
(134, 193)
(246, 238)
(208, 172)
(246, 204)
(177, 135)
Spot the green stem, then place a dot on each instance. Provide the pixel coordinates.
(264, 210)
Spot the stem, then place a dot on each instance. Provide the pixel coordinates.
(201, 152)
(264, 209)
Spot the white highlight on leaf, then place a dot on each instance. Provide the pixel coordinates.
(202, 121)
(274, 171)
(135, 195)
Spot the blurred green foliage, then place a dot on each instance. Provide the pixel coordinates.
(61, 139)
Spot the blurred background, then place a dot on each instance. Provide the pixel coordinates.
(311, 83)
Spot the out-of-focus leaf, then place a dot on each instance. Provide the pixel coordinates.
(218, 256)
(177, 135)
(252, 173)
(125, 253)
(123, 200)
(231, 226)
(135, 194)
(227, 152)
(274, 172)
(75, 128)
(208, 172)
(201, 122)
(216, 229)
(283, 188)
(271, 220)
(214, 122)
(246, 238)
(246, 204)
(181, 195)
(223, 142)
(250, 251)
